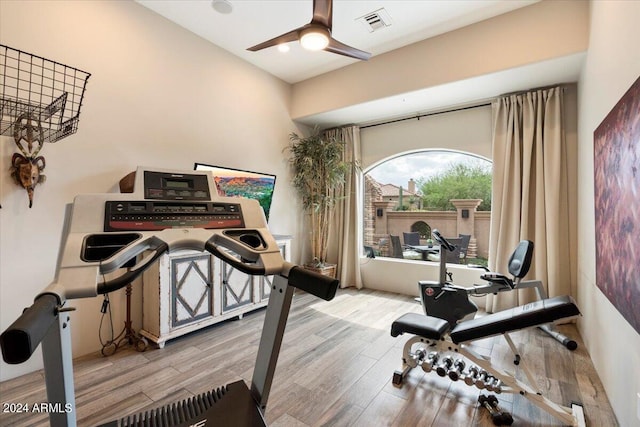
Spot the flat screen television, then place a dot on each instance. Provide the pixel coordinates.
(232, 182)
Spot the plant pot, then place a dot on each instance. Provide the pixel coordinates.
(326, 270)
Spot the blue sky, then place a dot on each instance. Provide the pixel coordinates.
(420, 165)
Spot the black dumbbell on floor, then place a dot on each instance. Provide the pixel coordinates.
(499, 418)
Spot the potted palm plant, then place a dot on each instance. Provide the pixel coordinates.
(318, 175)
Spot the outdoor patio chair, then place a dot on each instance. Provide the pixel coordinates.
(411, 239)
(464, 246)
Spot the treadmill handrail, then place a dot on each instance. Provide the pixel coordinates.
(248, 268)
(251, 263)
(158, 248)
(319, 285)
(22, 337)
(130, 252)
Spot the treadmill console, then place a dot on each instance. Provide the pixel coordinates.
(149, 215)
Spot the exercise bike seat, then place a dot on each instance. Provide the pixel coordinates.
(520, 260)
(519, 264)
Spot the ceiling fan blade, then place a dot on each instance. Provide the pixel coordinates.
(322, 20)
(323, 13)
(291, 36)
(342, 49)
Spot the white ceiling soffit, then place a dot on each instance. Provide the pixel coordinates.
(460, 93)
(255, 21)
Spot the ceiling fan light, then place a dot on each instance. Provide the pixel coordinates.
(315, 38)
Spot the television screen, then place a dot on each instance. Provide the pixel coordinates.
(241, 183)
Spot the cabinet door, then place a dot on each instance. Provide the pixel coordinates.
(237, 288)
(191, 289)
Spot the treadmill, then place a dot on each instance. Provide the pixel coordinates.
(167, 211)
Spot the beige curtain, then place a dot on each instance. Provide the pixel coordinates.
(345, 241)
(530, 191)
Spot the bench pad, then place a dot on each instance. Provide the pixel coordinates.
(521, 317)
(419, 324)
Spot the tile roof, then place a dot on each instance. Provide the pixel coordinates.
(390, 190)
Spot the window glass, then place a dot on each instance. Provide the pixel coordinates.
(412, 192)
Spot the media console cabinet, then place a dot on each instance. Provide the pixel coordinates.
(188, 290)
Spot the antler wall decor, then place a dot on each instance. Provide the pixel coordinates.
(40, 102)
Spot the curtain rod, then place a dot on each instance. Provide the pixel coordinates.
(419, 116)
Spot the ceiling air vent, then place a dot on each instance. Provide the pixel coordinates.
(376, 20)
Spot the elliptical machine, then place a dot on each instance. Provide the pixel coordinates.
(451, 302)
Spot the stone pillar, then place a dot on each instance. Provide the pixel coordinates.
(381, 208)
(466, 220)
(372, 192)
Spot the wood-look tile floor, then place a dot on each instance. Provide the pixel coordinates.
(335, 369)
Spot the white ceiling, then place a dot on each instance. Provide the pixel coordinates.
(254, 21)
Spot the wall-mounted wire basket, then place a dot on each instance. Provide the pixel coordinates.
(46, 90)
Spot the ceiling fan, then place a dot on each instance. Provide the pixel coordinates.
(316, 35)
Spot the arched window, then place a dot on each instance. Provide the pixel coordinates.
(412, 192)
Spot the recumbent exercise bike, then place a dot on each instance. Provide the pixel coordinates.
(450, 302)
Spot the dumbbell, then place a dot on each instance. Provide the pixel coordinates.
(444, 366)
(456, 371)
(481, 379)
(498, 417)
(418, 356)
(429, 363)
(470, 376)
(489, 381)
(497, 386)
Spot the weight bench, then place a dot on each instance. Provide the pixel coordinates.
(434, 337)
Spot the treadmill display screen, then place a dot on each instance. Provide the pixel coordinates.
(172, 183)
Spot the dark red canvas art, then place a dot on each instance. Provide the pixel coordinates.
(617, 205)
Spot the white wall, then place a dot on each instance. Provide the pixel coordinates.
(158, 96)
(401, 276)
(612, 65)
